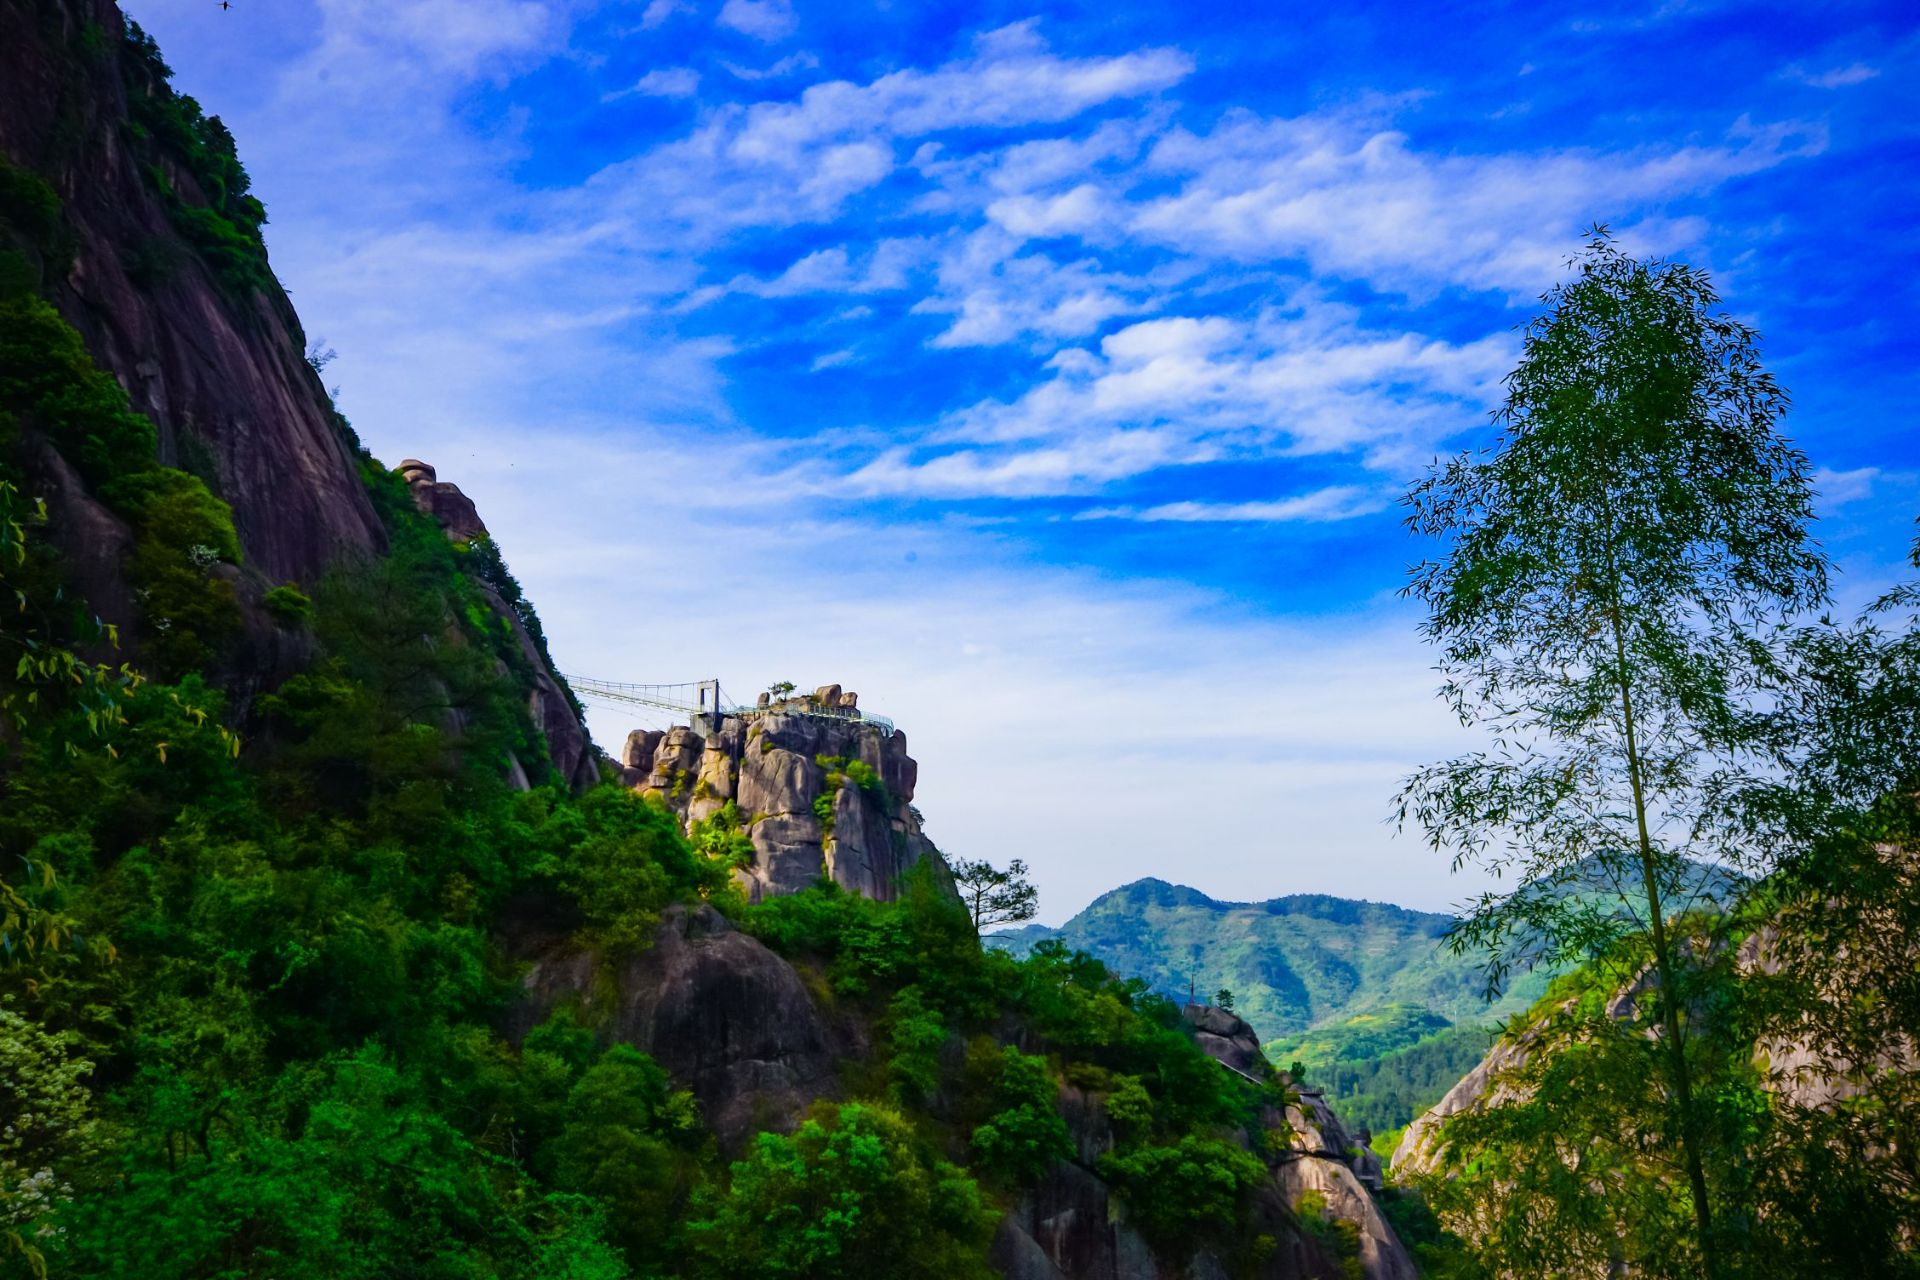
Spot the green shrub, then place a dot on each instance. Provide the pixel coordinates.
(49, 381)
(915, 1036)
(288, 605)
(1026, 1133)
(852, 1193)
(226, 228)
(184, 532)
(1184, 1194)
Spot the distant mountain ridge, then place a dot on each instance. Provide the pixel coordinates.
(1293, 962)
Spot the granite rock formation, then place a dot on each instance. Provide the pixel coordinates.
(816, 794)
(730, 1020)
(220, 371)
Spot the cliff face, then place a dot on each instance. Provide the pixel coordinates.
(815, 794)
(218, 367)
(154, 257)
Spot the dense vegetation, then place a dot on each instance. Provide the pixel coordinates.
(1381, 1069)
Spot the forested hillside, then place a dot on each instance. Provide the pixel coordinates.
(1290, 963)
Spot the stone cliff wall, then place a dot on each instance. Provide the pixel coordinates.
(214, 356)
(219, 369)
(815, 794)
(568, 744)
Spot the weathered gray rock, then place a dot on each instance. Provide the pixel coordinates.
(728, 1019)
(805, 814)
(641, 744)
(1382, 1256)
(1227, 1039)
(1421, 1150)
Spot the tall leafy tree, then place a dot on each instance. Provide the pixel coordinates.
(1610, 603)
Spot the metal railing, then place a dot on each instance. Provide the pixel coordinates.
(704, 698)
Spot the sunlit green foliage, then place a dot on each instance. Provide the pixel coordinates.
(226, 228)
(1025, 1134)
(1182, 1194)
(852, 1193)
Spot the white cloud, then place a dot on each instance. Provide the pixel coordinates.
(658, 11)
(1365, 203)
(998, 294)
(764, 20)
(1303, 378)
(1836, 77)
(664, 82)
(802, 61)
(782, 163)
(1336, 502)
(1836, 488)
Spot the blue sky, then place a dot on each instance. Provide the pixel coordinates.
(1048, 373)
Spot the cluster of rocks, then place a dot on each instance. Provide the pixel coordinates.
(790, 775)
(828, 697)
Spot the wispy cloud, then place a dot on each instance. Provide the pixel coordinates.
(658, 11)
(1305, 378)
(789, 65)
(1834, 77)
(662, 82)
(767, 20)
(1837, 488)
(1336, 502)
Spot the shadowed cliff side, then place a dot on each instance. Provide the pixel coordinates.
(127, 209)
(172, 296)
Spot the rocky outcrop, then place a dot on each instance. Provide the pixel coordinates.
(1227, 1039)
(443, 501)
(1421, 1150)
(730, 1020)
(815, 794)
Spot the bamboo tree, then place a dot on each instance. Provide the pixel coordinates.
(1610, 602)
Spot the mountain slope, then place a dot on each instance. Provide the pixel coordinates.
(1292, 963)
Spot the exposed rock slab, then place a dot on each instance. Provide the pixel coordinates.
(729, 1020)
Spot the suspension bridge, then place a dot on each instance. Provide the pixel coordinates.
(699, 700)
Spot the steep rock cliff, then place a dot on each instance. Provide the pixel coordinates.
(816, 794)
(152, 254)
(216, 364)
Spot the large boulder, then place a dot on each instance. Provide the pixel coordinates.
(728, 1019)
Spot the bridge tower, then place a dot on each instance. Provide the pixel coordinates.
(706, 719)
